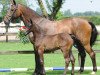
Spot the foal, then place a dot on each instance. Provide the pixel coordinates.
(43, 42)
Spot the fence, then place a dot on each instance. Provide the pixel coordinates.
(9, 34)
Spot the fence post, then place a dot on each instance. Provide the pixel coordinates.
(6, 34)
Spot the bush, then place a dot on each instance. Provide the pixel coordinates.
(95, 20)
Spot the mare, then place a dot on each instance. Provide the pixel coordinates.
(62, 41)
(83, 32)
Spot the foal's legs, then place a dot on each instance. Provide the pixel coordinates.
(66, 57)
(92, 55)
(72, 62)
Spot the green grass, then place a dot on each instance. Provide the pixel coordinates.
(27, 61)
(51, 60)
(12, 46)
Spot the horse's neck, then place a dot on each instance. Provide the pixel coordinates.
(27, 14)
(27, 19)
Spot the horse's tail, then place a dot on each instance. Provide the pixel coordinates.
(94, 34)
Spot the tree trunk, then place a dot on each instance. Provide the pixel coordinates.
(53, 9)
(44, 12)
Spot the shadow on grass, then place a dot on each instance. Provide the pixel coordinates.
(49, 73)
(68, 73)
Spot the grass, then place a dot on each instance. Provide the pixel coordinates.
(12, 46)
(27, 61)
(15, 46)
(51, 60)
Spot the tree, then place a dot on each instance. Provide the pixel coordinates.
(68, 13)
(5, 5)
(45, 14)
(53, 7)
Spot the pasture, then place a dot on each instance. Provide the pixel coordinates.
(27, 60)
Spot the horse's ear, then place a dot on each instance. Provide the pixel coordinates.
(13, 2)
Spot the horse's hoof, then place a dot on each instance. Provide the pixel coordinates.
(93, 73)
(43, 74)
(72, 74)
(80, 71)
(95, 69)
(35, 73)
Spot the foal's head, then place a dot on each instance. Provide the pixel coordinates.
(12, 13)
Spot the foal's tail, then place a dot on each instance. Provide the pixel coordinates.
(94, 34)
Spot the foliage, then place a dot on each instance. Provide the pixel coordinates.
(95, 20)
(59, 15)
(22, 35)
(5, 5)
(68, 13)
(53, 6)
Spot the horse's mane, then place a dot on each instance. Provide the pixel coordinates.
(28, 10)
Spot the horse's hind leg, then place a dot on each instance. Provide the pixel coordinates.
(72, 62)
(92, 55)
(81, 57)
(81, 54)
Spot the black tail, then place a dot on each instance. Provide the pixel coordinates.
(94, 34)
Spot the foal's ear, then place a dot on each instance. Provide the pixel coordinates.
(12, 2)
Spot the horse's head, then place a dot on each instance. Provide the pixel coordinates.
(12, 13)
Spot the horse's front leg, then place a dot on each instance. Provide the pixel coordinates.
(39, 63)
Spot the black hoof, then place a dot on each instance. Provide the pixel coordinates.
(38, 73)
(81, 70)
(72, 74)
(95, 69)
(35, 74)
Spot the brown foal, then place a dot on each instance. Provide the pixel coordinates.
(44, 42)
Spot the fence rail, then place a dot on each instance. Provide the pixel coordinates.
(32, 52)
(10, 33)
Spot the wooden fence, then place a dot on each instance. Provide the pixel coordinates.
(10, 33)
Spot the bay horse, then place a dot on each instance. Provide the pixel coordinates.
(83, 32)
(42, 42)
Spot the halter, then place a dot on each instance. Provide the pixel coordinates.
(12, 13)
